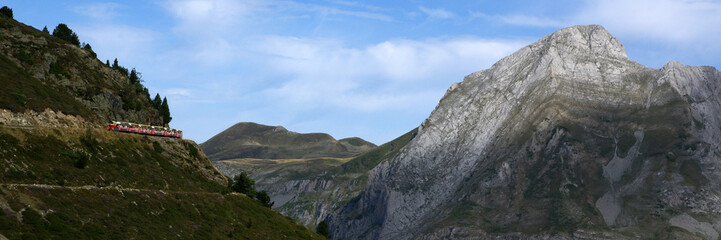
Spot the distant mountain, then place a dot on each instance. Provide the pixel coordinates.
(309, 190)
(252, 140)
(564, 139)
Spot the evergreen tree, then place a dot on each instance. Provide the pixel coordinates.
(264, 199)
(243, 184)
(157, 102)
(45, 30)
(322, 229)
(107, 62)
(115, 64)
(6, 11)
(89, 49)
(165, 111)
(63, 32)
(134, 76)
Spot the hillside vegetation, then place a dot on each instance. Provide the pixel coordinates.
(65, 177)
(39, 71)
(252, 140)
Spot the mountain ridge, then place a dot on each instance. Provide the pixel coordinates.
(253, 140)
(559, 123)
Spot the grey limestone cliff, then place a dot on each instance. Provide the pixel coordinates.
(565, 138)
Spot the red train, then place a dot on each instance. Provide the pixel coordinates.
(144, 129)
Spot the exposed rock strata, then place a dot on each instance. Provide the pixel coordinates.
(566, 135)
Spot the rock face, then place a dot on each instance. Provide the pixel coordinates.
(564, 138)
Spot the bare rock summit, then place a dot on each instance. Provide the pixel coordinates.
(565, 138)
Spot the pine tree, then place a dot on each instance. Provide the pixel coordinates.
(63, 32)
(45, 30)
(133, 76)
(243, 184)
(115, 64)
(165, 111)
(6, 11)
(89, 49)
(157, 102)
(107, 62)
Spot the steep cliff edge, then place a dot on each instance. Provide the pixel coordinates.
(564, 138)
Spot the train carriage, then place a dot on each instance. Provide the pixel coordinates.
(129, 127)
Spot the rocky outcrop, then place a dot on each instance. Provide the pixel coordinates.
(566, 135)
(47, 118)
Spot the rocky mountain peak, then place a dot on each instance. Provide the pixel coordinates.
(582, 40)
(564, 134)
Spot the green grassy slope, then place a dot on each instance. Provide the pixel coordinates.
(49, 156)
(366, 161)
(131, 186)
(66, 213)
(252, 140)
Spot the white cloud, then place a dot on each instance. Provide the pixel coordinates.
(666, 21)
(389, 75)
(673, 21)
(437, 12)
(101, 11)
(210, 12)
(215, 14)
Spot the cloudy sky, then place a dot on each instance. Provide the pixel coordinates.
(372, 69)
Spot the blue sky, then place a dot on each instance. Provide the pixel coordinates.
(372, 69)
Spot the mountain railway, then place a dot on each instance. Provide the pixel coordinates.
(128, 127)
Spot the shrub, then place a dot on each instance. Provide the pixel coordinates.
(58, 70)
(88, 139)
(157, 147)
(6, 11)
(322, 229)
(264, 199)
(81, 158)
(20, 99)
(193, 150)
(24, 57)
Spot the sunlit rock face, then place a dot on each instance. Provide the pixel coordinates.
(565, 138)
